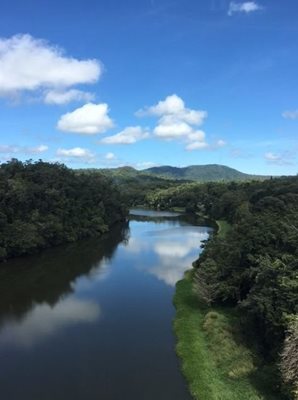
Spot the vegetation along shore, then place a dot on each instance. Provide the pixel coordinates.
(236, 321)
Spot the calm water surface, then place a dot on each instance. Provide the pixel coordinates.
(93, 320)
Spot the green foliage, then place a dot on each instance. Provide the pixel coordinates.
(133, 185)
(223, 228)
(289, 358)
(256, 259)
(252, 263)
(215, 361)
(42, 205)
(202, 173)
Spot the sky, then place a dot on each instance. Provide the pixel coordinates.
(108, 83)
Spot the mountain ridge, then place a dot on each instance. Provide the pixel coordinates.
(196, 173)
(202, 173)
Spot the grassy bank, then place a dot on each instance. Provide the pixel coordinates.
(223, 228)
(215, 362)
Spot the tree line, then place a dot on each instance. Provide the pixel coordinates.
(253, 267)
(45, 204)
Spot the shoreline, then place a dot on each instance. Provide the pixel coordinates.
(214, 360)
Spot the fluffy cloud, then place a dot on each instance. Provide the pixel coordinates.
(172, 108)
(246, 7)
(76, 154)
(199, 143)
(11, 149)
(196, 146)
(30, 64)
(89, 119)
(129, 135)
(175, 121)
(290, 114)
(63, 97)
(110, 156)
(172, 130)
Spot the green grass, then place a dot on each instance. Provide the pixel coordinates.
(216, 364)
(223, 228)
(178, 209)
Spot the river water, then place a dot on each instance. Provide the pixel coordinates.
(93, 320)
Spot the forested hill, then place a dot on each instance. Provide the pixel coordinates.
(203, 173)
(199, 173)
(134, 185)
(43, 204)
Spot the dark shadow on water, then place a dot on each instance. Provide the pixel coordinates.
(45, 277)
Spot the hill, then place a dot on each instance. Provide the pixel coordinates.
(202, 173)
(132, 184)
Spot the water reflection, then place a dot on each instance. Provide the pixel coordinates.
(44, 321)
(176, 251)
(93, 320)
(47, 277)
(165, 272)
(175, 247)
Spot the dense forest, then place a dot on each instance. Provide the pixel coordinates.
(45, 204)
(252, 264)
(203, 173)
(133, 185)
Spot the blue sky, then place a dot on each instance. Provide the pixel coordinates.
(151, 82)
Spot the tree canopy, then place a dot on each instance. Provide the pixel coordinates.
(44, 204)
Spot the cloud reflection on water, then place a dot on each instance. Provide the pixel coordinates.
(176, 255)
(175, 249)
(44, 321)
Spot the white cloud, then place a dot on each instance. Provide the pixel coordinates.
(30, 64)
(197, 142)
(283, 158)
(129, 135)
(89, 119)
(110, 156)
(171, 105)
(38, 149)
(76, 154)
(196, 146)
(12, 149)
(197, 136)
(290, 114)
(272, 157)
(173, 108)
(63, 97)
(172, 130)
(175, 121)
(246, 7)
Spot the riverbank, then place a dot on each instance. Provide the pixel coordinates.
(215, 362)
(223, 228)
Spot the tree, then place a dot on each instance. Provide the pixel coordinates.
(289, 358)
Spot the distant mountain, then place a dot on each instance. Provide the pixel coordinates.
(202, 173)
(198, 173)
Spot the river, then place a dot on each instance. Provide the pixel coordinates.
(93, 320)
